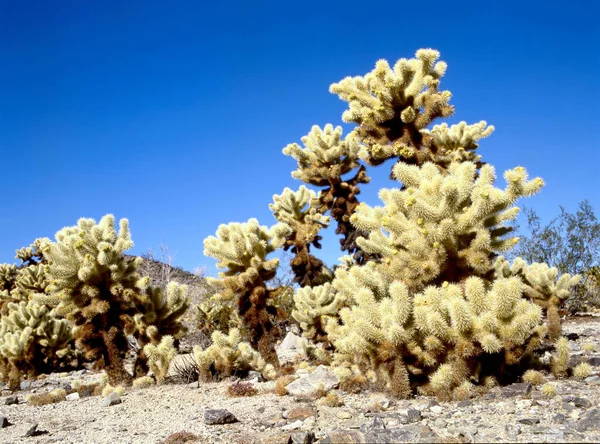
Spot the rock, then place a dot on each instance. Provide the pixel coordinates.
(411, 433)
(381, 400)
(572, 336)
(516, 389)
(112, 399)
(440, 423)
(321, 378)
(590, 420)
(413, 415)
(588, 332)
(219, 416)
(280, 438)
(583, 403)
(261, 409)
(594, 360)
(291, 342)
(465, 403)
(32, 430)
(342, 414)
(73, 396)
(292, 426)
(25, 385)
(343, 436)
(592, 380)
(303, 438)
(11, 400)
(255, 376)
(512, 430)
(559, 418)
(5, 392)
(301, 413)
(4, 422)
(290, 349)
(529, 421)
(437, 409)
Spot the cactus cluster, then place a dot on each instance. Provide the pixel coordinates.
(422, 301)
(81, 297)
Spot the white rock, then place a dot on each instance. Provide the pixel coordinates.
(73, 397)
(436, 409)
(292, 426)
(321, 378)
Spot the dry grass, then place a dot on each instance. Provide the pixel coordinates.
(333, 400)
(239, 389)
(180, 438)
(534, 377)
(354, 384)
(281, 384)
(186, 371)
(52, 397)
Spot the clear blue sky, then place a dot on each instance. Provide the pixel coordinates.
(174, 114)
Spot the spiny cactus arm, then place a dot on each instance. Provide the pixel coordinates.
(242, 248)
(391, 106)
(306, 224)
(542, 285)
(31, 281)
(8, 277)
(456, 143)
(312, 306)
(323, 162)
(325, 156)
(439, 220)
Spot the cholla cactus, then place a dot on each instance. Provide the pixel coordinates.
(439, 338)
(391, 107)
(543, 286)
(442, 227)
(313, 305)
(32, 341)
(216, 313)
(99, 289)
(161, 315)
(160, 357)
(229, 354)
(242, 250)
(322, 162)
(291, 208)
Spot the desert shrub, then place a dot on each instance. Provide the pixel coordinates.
(240, 389)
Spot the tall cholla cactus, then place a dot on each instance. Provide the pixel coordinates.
(32, 341)
(242, 250)
(294, 209)
(434, 308)
(99, 289)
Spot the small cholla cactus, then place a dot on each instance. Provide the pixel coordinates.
(160, 357)
(582, 371)
(230, 354)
